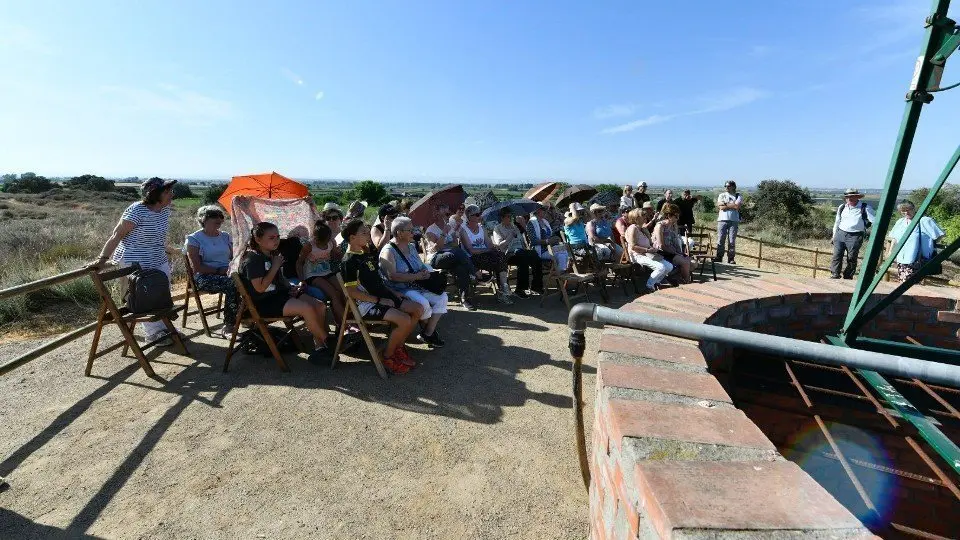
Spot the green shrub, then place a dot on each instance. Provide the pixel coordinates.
(182, 191)
(28, 183)
(213, 193)
(90, 182)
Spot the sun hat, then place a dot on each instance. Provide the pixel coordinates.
(576, 207)
(356, 209)
(852, 192)
(332, 206)
(642, 184)
(647, 204)
(597, 207)
(154, 184)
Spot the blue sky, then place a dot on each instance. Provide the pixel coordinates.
(668, 92)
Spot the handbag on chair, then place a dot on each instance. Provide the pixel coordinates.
(436, 283)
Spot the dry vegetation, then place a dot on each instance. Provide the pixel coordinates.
(49, 233)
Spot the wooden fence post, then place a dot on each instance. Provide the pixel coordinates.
(816, 261)
(760, 253)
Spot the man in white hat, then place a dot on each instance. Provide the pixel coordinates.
(728, 221)
(600, 234)
(640, 196)
(849, 227)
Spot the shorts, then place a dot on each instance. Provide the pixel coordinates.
(372, 312)
(271, 307)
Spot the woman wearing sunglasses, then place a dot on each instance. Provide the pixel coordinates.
(483, 252)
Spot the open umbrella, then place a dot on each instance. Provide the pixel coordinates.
(579, 193)
(269, 185)
(519, 207)
(421, 212)
(542, 192)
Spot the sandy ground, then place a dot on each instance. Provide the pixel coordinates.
(477, 442)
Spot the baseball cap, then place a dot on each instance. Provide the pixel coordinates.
(154, 184)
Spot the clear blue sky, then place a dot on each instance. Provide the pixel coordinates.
(670, 92)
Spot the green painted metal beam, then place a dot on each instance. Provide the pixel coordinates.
(916, 98)
(921, 211)
(935, 354)
(929, 432)
(865, 316)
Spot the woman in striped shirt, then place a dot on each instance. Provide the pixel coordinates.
(140, 237)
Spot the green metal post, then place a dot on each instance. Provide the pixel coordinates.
(916, 98)
(921, 211)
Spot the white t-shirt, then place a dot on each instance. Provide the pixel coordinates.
(438, 232)
(626, 201)
(728, 215)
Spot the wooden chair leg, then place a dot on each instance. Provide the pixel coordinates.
(374, 354)
(126, 346)
(233, 341)
(96, 340)
(203, 315)
(220, 306)
(340, 334)
(563, 294)
(272, 345)
(295, 336)
(175, 336)
(186, 305)
(127, 332)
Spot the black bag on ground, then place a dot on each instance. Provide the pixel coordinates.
(252, 341)
(148, 291)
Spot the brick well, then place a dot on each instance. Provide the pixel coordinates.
(674, 455)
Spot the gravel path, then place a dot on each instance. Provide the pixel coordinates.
(477, 442)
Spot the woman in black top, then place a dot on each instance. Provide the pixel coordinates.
(262, 272)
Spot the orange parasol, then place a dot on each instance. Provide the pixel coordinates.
(542, 192)
(269, 185)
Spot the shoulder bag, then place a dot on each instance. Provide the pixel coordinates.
(436, 283)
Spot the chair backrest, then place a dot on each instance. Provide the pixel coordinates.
(188, 268)
(246, 301)
(350, 303)
(100, 280)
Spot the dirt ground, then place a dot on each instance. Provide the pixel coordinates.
(477, 442)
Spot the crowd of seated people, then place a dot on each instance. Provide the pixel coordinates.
(390, 267)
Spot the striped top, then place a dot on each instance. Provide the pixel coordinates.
(146, 243)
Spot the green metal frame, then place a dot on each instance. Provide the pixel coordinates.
(941, 40)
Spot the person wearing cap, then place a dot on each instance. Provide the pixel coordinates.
(600, 235)
(140, 237)
(379, 234)
(851, 222)
(210, 251)
(728, 221)
(640, 196)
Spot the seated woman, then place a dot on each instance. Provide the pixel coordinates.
(574, 226)
(600, 235)
(315, 268)
(642, 252)
(444, 252)
(476, 241)
(210, 251)
(375, 300)
(920, 246)
(509, 240)
(666, 238)
(542, 235)
(380, 233)
(402, 268)
(271, 293)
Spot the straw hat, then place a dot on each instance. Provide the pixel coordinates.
(332, 206)
(647, 204)
(852, 192)
(597, 207)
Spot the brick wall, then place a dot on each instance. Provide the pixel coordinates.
(671, 455)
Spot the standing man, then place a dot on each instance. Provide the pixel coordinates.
(686, 204)
(728, 221)
(640, 196)
(849, 227)
(667, 198)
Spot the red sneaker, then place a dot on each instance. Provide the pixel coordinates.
(402, 355)
(395, 366)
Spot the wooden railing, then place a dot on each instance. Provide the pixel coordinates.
(817, 255)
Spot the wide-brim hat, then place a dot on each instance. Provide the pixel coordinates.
(576, 207)
(851, 192)
(597, 207)
(642, 184)
(647, 204)
(332, 206)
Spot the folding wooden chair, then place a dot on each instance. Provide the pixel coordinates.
(248, 315)
(637, 272)
(701, 254)
(125, 320)
(582, 263)
(351, 315)
(193, 291)
(562, 279)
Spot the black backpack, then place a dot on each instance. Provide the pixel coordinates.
(863, 214)
(148, 291)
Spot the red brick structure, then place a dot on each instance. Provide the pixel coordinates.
(673, 457)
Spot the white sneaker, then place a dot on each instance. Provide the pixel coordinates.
(223, 333)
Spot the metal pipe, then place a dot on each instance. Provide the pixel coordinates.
(934, 372)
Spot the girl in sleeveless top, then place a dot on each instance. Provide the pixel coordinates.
(315, 267)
